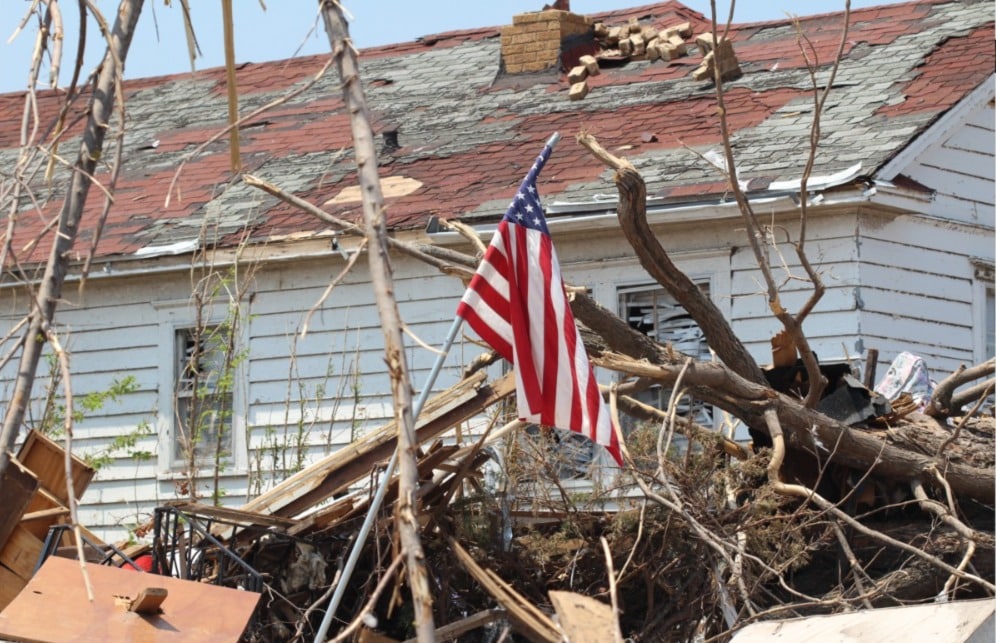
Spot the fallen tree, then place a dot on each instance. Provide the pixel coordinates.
(786, 529)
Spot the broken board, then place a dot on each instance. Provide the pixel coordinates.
(192, 612)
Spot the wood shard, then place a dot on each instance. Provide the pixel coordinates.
(584, 619)
(149, 601)
(525, 617)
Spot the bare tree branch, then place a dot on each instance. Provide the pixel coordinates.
(108, 87)
(381, 276)
(632, 214)
(940, 404)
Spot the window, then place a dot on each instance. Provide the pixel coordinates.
(985, 310)
(651, 310)
(990, 325)
(203, 395)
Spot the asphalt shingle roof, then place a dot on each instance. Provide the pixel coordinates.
(467, 131)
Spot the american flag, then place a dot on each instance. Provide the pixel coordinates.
(517, 304)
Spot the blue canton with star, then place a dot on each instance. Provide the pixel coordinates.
(525, 209)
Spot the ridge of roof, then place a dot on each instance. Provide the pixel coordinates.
(462, 132)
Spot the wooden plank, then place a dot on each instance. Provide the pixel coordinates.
(20, 554)
(44, 503)
(314, 484)
(149, 600)
(936, 333)
(584, 619)
(350, 507)
(757, 305)
(455, 629)
(942, 235)
(46, 514)
(47, 460)
(232, 515)
(525, 617)
(194, 613)
(425, 468)
(17, 486)
(960, 185)
(914, 306)
(973, 139)
(961, 162)
(10, 586)
(917, 257)
(939, 287)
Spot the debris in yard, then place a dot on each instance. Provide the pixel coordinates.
(35, 499)
(54, 607)
(523, 557)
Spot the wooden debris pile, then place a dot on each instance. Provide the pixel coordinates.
(531, 557)
(34, 497)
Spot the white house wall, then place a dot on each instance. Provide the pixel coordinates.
(832, 326)
(918, 290)
(892, 284)
(118, 334)
(960, 168)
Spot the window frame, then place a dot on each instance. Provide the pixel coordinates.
(983, 313)
(607, 278)
(648, 287)
(174, 318)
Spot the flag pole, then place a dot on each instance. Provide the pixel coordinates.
(378, 499)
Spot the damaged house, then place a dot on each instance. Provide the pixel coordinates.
(900, 224)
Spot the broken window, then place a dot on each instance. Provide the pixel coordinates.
(990, 324)
(653, 311)
(203, 395)
(984, 310)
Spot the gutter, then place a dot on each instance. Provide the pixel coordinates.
(564, 217)
(109, 269)
(589, 216)
(600, 213)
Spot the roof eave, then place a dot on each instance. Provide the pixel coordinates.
(895, 166)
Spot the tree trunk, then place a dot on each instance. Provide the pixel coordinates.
(105, 93)
(632, 212)
(381, 277)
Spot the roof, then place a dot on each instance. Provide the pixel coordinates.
(467, 132)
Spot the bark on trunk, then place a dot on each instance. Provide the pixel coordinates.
(105, 92)
(381, 277)
(632, 212)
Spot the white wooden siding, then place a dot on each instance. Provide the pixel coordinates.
(961, 169)
(832, 326)
(917, 289)
(892, 283)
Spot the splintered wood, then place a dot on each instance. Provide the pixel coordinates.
(310, 487)
(525, 617)
(34, 497)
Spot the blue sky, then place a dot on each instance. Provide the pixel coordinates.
(289, 27)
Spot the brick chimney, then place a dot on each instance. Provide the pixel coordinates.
(536, 40)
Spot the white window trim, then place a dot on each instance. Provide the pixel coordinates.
(173, 317)
(606, 278)
(982, 280)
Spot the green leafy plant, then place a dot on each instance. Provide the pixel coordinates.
(53, 417)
